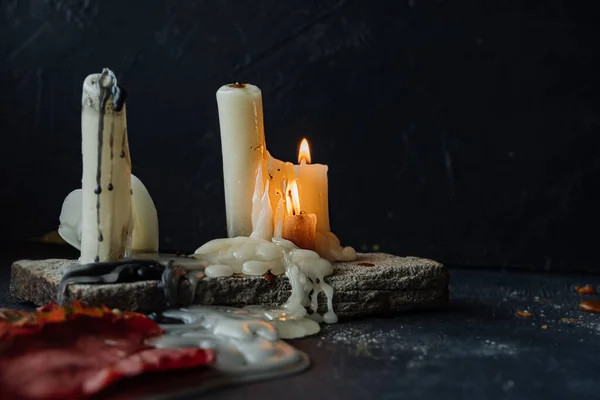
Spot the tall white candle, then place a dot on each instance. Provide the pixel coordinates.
(243, 148)
(106, 183)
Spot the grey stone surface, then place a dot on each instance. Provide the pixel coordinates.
(376, 283)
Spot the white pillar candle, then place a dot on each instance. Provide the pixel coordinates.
(106, 183)
(312, 185)
(243, 148)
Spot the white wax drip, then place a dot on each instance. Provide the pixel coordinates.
(262, 213)
(279, 216)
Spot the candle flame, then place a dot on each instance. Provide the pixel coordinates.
(292, 201)
(304, 152)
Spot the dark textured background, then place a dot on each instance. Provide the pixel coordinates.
(465, 131)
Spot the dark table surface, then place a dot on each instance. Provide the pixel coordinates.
(476, 348)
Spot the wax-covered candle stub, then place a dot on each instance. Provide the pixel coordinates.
(243, 148)
(301, 230)
(312, 184)
(299, 227)
(106, 184)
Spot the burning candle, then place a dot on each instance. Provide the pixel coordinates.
(312, 185)
(299, 227)
(106, 219)
(243, 148)
(313, 189)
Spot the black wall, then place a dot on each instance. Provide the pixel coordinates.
(465, 131)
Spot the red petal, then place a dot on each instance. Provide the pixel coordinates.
(153, 360)
(74, 352)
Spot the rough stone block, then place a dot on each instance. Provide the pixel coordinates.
(376, 283)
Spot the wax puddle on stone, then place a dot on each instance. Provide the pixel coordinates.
(305, 270)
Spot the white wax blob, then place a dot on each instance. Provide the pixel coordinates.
(255, 268)
(217, 271)
(70, 219)
(328, 246)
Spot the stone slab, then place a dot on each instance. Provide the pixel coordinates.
(377, 283)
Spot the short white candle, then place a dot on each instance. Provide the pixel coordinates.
(243, 148)
(106, 184)
(299, 227)
(312, 185)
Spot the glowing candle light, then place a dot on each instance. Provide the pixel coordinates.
(299, 227)
(312, 186)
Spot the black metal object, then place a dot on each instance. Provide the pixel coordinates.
(127, 270)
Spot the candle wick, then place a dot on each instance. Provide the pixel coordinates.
(237, 85)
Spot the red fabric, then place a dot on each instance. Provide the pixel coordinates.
(75, 352)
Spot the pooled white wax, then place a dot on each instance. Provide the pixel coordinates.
(145, 229)
(246, 340)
